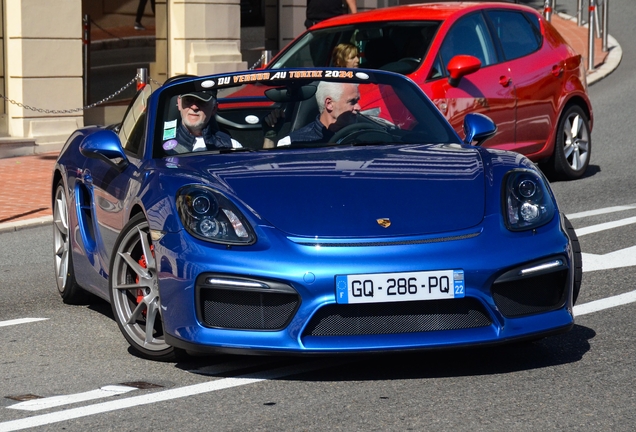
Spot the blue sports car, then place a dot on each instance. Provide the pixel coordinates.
(308, 211)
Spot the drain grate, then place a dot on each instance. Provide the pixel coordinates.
(141, 385)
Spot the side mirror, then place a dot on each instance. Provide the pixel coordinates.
(478, 127)
(460, 66)
(105, 145)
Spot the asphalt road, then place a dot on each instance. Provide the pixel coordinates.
(582, 380)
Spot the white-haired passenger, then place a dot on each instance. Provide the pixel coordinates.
(338, 103)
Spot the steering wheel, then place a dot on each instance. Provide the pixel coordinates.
(356, 129)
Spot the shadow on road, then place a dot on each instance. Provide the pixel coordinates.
(591, 171)
(552, 351)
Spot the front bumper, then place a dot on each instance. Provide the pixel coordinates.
(294, 308)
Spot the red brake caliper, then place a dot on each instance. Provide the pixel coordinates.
(142, 262)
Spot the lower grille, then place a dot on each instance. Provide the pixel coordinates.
(397, 318)
(531, 295)
(247, 310)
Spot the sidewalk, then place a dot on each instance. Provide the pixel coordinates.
(25, 194)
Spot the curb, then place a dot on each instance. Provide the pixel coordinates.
(29, 223)
(613, 59)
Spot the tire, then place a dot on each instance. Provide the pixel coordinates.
(67, 286)
(573, 146)
(134, 293)
(577, 259)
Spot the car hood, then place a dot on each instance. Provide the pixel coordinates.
(349, 192)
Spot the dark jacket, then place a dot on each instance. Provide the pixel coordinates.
(213, 138)
(313, 132)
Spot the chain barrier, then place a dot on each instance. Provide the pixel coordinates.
(70, 111)
(258, 62)
(263, 57)
(152, 80)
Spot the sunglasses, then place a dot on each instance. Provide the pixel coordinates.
(189, 100)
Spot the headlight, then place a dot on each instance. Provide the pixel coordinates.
(208, 215)
(527, 201)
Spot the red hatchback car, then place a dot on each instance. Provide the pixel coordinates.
(503, 60)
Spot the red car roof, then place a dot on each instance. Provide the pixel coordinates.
(426, 11)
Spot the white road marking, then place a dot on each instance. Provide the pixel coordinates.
(161, 396)
(55, 401)
(621, 258)
(20, 321)
(604, 226)
(605, 303)
(601, 211)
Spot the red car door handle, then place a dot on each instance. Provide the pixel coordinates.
(504, 81)
(557, 70)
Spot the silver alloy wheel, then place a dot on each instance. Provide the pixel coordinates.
(135, 292)
(61, 238)
(576, 141)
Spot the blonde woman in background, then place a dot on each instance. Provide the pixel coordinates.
(345, 55)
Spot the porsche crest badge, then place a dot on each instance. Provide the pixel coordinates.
(384, 222)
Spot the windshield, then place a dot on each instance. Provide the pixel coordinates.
(392, 46)
(294, 109)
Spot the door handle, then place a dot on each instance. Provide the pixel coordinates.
(504, 81)
(557, 70)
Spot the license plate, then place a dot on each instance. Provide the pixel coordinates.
(396, 287)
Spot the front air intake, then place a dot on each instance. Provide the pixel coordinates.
(531, 295)
(533, 288)
(397, 318)
(245, 304)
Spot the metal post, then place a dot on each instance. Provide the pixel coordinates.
(142, 78)
(86, 51)
(266, 56)
(579, 13)
(597, 24)
(605, 30)
(590, 36)
(547, 10)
